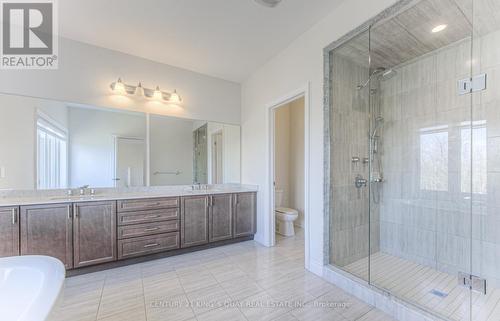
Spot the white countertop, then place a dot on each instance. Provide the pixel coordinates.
(19, 198)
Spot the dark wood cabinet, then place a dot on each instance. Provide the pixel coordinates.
(94, 233)
(48, 230)
(83, 233)
(9, 231)
(244, 214)
(220, 217)
(194, 220)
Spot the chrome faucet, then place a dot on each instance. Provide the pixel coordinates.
(82, 189)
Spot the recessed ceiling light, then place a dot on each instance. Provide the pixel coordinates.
(439, 28)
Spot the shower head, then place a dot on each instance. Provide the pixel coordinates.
(381, 73)
(387, 74)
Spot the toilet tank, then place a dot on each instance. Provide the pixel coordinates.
(278, 198)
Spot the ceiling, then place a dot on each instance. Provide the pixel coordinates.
(408, 35)
(227, 39)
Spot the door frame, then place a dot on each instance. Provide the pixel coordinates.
(115, 158)
(213, 154)
(303, 91)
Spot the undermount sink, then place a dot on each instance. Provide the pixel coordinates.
(76, 198)
(29, 287)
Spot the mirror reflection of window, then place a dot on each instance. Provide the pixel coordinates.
(474, 138)
(52, 155)
(434, 158)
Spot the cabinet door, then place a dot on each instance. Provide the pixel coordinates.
(9, 231)
(94, 233)
(244, 214)
(194, 220)
(48, 230)
(221, 217)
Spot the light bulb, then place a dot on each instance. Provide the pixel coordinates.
(119, 87)
(174, 97)
(157, 94)
(139, 91)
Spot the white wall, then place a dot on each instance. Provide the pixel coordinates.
(171, 147)
(91, 143)
(85, 73)
(293, 68)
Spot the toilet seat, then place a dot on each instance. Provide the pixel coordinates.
(286, 210)
(286, 214)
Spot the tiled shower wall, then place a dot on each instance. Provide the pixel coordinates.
(425, 212)
(349, 224)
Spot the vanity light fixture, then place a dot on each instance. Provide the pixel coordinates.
(174, 97)
(120, 88)
(139, 91)
(157, 93)
(439, 28)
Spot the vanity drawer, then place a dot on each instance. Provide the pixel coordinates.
(147, 204)
(136, 230)
(127, 218)
(147, 245)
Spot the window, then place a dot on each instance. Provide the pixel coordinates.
(52, 158)
(475, 152)
(434, 158)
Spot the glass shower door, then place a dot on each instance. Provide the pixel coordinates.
(349, 168)
(486, 161)
(423, 143)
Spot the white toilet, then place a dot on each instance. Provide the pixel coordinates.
(284, 216)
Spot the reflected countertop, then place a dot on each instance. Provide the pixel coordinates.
(19, 198)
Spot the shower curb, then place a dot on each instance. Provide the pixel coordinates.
(382, 300)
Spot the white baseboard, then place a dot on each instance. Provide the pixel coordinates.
(260, 239)
(316, 267)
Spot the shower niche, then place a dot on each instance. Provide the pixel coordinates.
(413, 156)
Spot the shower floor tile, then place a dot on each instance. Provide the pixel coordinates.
(428, 288)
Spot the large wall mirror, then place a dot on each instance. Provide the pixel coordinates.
(55, 145)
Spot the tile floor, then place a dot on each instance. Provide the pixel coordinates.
(243, 281)
(416, 283)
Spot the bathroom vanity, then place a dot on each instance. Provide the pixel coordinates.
(111, 230)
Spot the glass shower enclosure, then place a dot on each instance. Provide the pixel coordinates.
(413, 150)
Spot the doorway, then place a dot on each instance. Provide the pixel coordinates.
(129, 163)
(289, 170)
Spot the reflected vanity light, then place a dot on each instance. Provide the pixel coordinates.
(439, 28)
(120, 88)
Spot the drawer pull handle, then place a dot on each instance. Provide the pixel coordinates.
(154, 204)
(151, 245)
(151, 229)
(153, 216)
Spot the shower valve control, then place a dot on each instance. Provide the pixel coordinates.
(360, 182)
